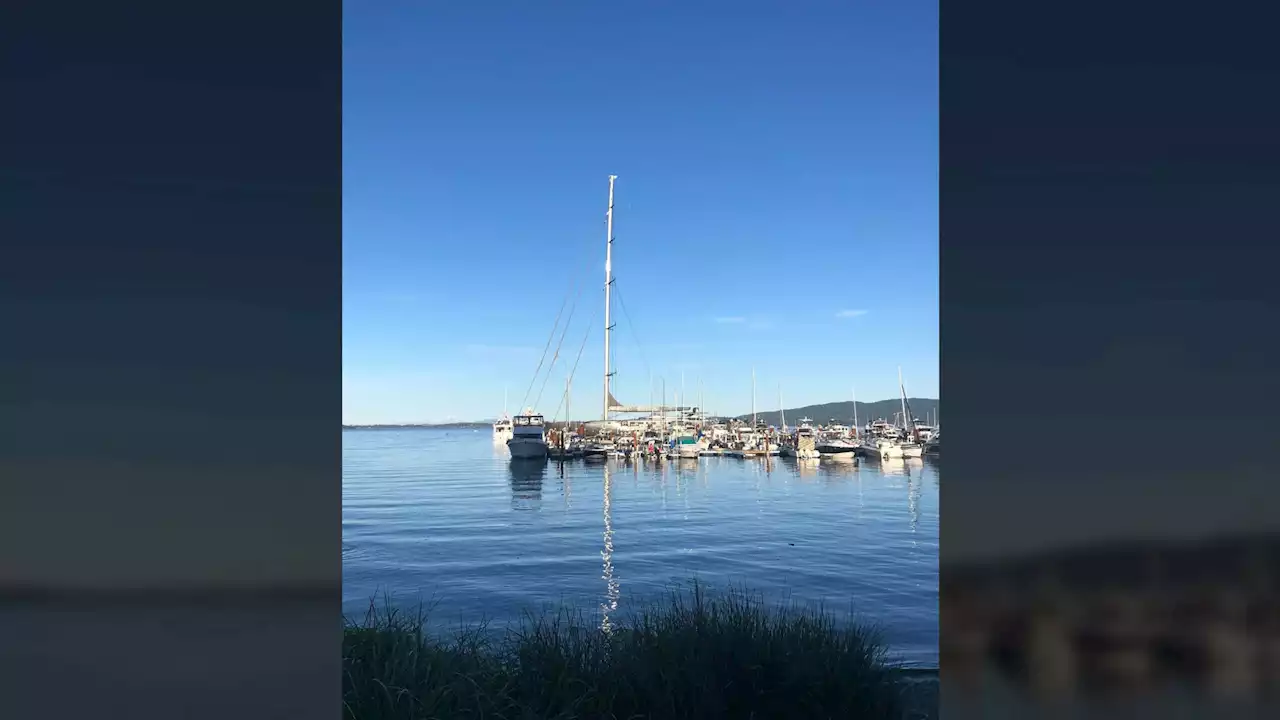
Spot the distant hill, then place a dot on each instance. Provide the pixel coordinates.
(448, 426)
(923, 408)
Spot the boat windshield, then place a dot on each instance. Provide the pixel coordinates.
(529, 420)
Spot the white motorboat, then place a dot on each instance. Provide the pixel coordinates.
(686, 447)
(805, 443)
(528, 437)
(881, 447)
(834, 443)
(502, 430)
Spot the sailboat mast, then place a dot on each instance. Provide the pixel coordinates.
(753, 400)
(902, 391)
(608, 287)
(664, 406)
(854, 392)
(782, 413)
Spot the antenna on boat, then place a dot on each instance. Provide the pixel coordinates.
(608, 286)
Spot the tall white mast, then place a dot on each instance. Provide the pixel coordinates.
(782, 412)
(902, 390)
(753, 399)
(680, 413)
(854, 390)
(608, 287)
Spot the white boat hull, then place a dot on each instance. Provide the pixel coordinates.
(527, 448)
(883, 450)
(912, 451)
(809, 454)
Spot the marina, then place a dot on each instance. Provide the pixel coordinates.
(608, 510)
(447, 518)
(657, 433)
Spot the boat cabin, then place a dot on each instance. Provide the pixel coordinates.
(528, 425)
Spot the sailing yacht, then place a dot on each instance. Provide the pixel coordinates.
(528, 438)
(910, 447)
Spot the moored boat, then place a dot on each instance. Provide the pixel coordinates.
(528, 438)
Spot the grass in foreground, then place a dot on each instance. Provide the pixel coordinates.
(694, 656)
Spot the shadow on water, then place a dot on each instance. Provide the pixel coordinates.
(526, 482)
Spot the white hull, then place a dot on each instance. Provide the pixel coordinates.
(527, 448)
(809, 454)
(912, 451)
(883, 450)
(501, 436)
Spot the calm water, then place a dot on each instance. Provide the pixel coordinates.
(444, 516)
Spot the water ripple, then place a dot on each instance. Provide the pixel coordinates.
(444, 516)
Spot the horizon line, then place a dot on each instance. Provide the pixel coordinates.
(431, 423)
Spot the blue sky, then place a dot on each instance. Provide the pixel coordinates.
(776, 206)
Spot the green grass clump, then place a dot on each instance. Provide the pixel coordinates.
(694, 656)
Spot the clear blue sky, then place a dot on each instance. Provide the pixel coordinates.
(776, 208)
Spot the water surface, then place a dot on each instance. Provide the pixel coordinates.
(444, 516)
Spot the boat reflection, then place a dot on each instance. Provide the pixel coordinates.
(526, 482)
(901, 467)
(807, 468)
(837, 471)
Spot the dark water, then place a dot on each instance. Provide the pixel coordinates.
(444, 516)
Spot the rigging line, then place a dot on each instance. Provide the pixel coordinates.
(574, 370)
(543, 359)
(573, 308)
(632, 327)
(552, 336)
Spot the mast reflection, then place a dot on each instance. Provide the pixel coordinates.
(610, 604)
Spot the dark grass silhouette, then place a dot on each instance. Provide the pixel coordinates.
(696, 655)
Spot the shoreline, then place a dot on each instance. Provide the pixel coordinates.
(699, 653)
